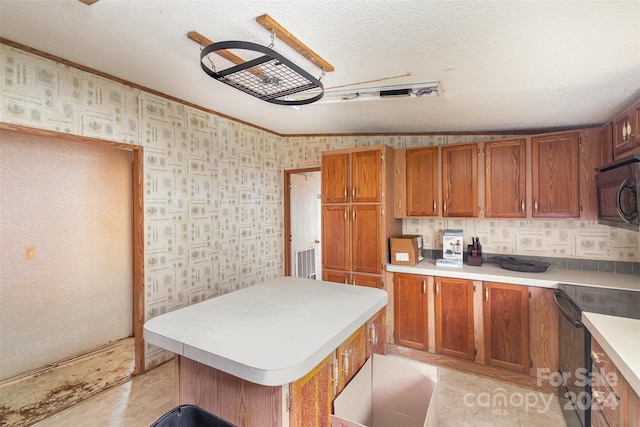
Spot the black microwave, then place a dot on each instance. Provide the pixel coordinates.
(617, 185)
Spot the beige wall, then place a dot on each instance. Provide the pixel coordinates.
(72, 202)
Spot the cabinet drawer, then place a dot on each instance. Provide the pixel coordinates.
(604, 400)
(607, 369)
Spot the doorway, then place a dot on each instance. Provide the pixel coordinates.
(129, 170)
(303, 247)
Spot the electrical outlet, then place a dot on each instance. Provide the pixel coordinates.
(30, 252)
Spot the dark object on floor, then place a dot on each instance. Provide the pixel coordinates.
(526, 266)
(190, 416)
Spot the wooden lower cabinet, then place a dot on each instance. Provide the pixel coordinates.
(377, 333)
(352, 279)
(336, 276)
(630, 406)
(351, 355)
(410, 311)
(506, 325)
(454, 317)
(312, 396)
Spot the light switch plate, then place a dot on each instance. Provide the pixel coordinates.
(30, 252)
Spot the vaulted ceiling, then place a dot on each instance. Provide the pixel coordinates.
(501, 65)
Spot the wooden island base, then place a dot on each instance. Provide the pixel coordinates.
(238, 401)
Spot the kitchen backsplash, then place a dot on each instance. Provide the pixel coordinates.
(213, 203)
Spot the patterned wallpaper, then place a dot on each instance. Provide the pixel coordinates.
(214, 187)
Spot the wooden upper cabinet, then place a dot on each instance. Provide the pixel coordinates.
(365, 239)
(626, 130)
(336, 233)
(505, 179)
(555, 176)
(506, 326)
(335, 178)
(366, 178)
(606, 144)
(422, 182)
(454, 317)
(410, 310)
(460, 181)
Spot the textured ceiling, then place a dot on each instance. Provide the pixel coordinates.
(502, 65)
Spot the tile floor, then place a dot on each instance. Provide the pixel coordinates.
(463, 400)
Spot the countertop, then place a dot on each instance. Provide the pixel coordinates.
(620, 339)
(271, 333)
(549, 279)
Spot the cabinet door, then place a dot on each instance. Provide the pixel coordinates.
(312, 396)
(376, 333)
(410, 311)
(626, 127)
(555, 176)
(366, 178)
(505, 179)
(336, 276)
(460, 181)
(351, 356)
(506, 326)
(422, 182)
(630, 406)
(336, 250)
(366, 280)
(366, 244)
(454, 317)
(335, 178)
(606, 144)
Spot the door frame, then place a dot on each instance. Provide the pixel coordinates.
(287, 214)
(137, 242)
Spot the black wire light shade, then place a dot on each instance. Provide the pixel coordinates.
(270, 77)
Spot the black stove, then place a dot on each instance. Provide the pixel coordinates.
(575, 341)
(614, 302)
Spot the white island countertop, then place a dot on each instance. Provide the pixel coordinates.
(550, 278)
(620, 339)
(270, 334)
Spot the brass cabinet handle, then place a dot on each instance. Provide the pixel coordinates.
(424, 286)
(345, 192)
(598, 397)
(444, 207)
(437, 288)
(435, 206)
(522, 206)
(595, 357)
(535, 205)
(346, 360)
(373, 338)
(486, 294)
(353, 193)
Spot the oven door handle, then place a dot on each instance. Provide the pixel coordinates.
(558, 294)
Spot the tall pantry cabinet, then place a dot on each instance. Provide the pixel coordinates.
(357, 214)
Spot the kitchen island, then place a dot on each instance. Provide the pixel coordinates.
(237, 354)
